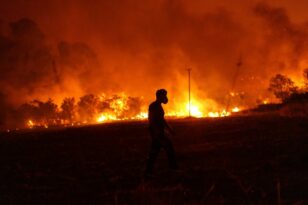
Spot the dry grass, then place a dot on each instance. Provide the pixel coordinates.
(235, 160)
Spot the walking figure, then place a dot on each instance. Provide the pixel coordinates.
(157, 128)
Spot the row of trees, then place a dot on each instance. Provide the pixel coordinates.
(283, 87)
(85, 109)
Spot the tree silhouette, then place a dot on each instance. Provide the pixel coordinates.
(48, 111)
(39, 111)
(87, 107)
(305, 73)
(282, 86)
(68, 109)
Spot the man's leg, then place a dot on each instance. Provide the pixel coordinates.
(167, 145)
(154, 150)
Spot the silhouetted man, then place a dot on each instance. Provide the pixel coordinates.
(157, 128)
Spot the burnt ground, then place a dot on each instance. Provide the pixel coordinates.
(235, 160)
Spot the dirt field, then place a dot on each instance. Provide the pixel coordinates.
(235, 160)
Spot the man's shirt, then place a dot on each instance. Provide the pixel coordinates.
(156, 117)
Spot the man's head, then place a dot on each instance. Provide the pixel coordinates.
(161, 96)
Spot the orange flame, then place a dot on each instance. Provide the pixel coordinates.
(30, 124)
(119, 109)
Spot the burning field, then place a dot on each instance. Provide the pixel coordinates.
(92, 109)
(77, 77)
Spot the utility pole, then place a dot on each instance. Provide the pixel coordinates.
(189, 70)
(238, 67)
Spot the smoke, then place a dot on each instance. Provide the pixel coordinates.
(284, 41)
(25, 61)
(75, 48)
(31, 68)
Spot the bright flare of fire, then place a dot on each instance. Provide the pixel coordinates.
(103, 117)
(30, 124)
(223, 113)
(119, 107)
(183, 110)
(194, 110)
(235, 109)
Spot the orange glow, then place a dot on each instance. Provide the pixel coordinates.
(136, 59)
(142, 115)
(119, 110)
(105, 117)
(223, 113)
(235, 109)
(181, 109)
(122, 108)
(30, 124)
(195, 110)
